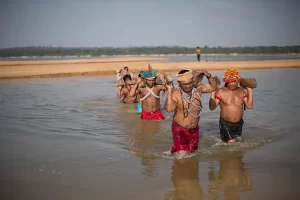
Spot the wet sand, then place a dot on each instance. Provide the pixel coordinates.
(59, 68)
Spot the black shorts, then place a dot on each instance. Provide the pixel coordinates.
(229, 130)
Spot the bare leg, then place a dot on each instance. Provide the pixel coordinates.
(232, 141)
(181, 154)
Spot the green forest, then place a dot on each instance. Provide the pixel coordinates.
(98, 51)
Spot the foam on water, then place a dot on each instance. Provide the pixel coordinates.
(211, 146)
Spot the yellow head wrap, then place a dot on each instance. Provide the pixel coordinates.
(185, 76)
(230, 74)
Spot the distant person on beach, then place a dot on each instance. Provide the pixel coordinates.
(198, 52)
(149, 95)
(232, 99)
(186, 102)
(124, 90)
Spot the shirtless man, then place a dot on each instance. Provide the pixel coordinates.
(187, 103)
(149, 96)
(231, 98)
(124, 91)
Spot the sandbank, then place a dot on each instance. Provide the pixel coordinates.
(60, 68)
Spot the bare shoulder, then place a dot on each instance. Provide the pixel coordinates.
(221, 90)
(160, 87)
(241, 90)
(140, 90)
(176, 93)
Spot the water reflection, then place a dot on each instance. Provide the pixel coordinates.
(144, 139)
(185, 178)
(230, 179)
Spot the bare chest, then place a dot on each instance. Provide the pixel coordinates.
(149, 93)
(192, 101)
(232, 98)
(125, 91)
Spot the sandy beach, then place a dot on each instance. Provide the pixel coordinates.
(60, 68)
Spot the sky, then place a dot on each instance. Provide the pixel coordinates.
(124, 23)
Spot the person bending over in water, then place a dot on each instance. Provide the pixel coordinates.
(124, 91)
(186, 101)
(149, 96)
(232, 99)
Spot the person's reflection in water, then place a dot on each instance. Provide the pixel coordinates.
(230, 180)
(186, 181)
(145, 142)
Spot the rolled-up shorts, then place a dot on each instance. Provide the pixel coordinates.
(230, 130)
(157, 115)
(184, 139)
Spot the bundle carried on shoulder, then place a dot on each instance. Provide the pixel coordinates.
(160, 78)
(197, 78)
(168, 78)
(120, 83)
(118, 70)
(248, 83)
(214, 81)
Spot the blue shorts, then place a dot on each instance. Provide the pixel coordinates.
(139, 108)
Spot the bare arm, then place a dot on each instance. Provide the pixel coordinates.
(204, 88)
(135, 90)
(212, 83)
(131, 74)
(163, 88)
(248, 101)
(213, 101)
(170, 103)
(118, 76)
(120, 92)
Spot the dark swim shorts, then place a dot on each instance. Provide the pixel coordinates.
(230, 130)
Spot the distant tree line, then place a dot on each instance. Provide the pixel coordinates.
(94, 51)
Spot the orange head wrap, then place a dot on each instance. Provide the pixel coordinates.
(231, 74)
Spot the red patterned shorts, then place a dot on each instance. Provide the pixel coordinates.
(184, 139)
(157, 115)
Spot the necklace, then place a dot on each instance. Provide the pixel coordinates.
(190, 99)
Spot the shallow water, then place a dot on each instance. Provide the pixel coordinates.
(70, 138)
(182, 58)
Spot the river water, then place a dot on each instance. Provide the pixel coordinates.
(178, 58)
(70, 138)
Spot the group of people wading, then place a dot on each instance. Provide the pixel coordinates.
(186, 102)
